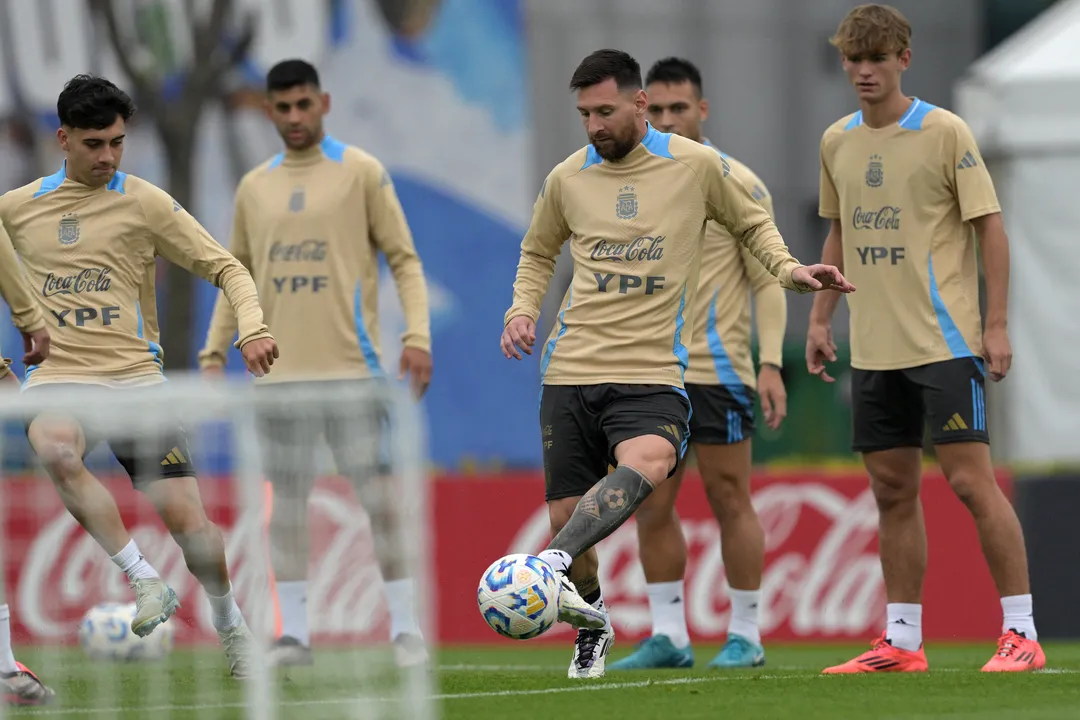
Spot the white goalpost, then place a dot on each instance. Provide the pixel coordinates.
(71, 606)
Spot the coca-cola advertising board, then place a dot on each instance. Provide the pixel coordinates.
(822, 578)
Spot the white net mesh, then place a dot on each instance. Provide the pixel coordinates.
(318, 493)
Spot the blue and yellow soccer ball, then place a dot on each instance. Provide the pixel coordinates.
(519, 596)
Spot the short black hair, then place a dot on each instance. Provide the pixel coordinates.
(673, 71)
(604, 64)
(288, 74)
(89, 102)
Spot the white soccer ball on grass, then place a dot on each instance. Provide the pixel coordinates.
(519, 596)
(105, 634)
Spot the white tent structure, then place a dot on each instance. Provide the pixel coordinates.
(1022, 101)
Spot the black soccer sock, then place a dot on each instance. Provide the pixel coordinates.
(606, 506)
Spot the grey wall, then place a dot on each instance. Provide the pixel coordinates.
(773, 80)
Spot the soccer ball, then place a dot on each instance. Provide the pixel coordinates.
(519, 596)
(105, 634)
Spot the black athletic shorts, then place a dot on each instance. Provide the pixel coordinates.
(357, 436)
(890, 407)
(580, 426)
(145, 458)
(723, 414)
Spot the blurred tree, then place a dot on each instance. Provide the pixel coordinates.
(173, 92)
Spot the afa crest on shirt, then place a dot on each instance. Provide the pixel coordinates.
(68, 231)
(626, 206)
(875, 172)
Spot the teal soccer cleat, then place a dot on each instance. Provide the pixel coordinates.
(738, 652)
(656, 652)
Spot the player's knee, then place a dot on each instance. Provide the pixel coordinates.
(973, 488)
(180, 507)
(728, 494)
(559, 512)
(893, 492)
(59, 446)
(651, 455)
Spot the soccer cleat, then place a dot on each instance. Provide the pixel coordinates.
(409, 651)
(23, 687)
(882, 657)
(155, 602)
(287, 652)
(654, 653)
(1016, 653)
(239, 649)
(739, 652)
(591, 648)
(573, 609)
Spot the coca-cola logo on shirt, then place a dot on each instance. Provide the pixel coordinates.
(87, 280)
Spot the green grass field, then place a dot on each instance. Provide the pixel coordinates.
(530, 682)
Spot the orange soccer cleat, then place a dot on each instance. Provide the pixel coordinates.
(1016, 653)
(882, 657)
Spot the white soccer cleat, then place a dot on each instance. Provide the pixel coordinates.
(155, 602)
(409, 651)
(591, 648)
(573, 609)
(239, 650)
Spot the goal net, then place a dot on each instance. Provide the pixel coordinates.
(319, 494)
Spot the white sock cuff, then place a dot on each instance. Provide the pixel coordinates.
(1016, 604)
(665, 590)
(910, 613)
(128, 556)
(557, 559)
(5, 612)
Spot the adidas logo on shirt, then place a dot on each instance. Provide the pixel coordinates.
(968, 161)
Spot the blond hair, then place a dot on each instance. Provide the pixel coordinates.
(872, 29)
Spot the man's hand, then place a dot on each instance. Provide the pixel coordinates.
(36, 346)
(997, 352)
(520, 332)
(214, 371)
(416, 364)
(819, 348)
(259, 355)
(822, 277)
(773, 396)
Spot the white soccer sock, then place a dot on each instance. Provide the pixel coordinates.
(1017, 614)
(399, 599)
(904, 628)
(132, 562)
(668, 608)
(744, 614)
(226, 613)
(292, 602)
(557, 559)
(7, 659)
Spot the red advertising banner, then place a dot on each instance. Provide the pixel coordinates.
(822, 577)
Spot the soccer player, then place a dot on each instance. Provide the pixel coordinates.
(309, 224)
(87, 237)
(720, 384)
(20, 686)
(634, 204)
(907, 193)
